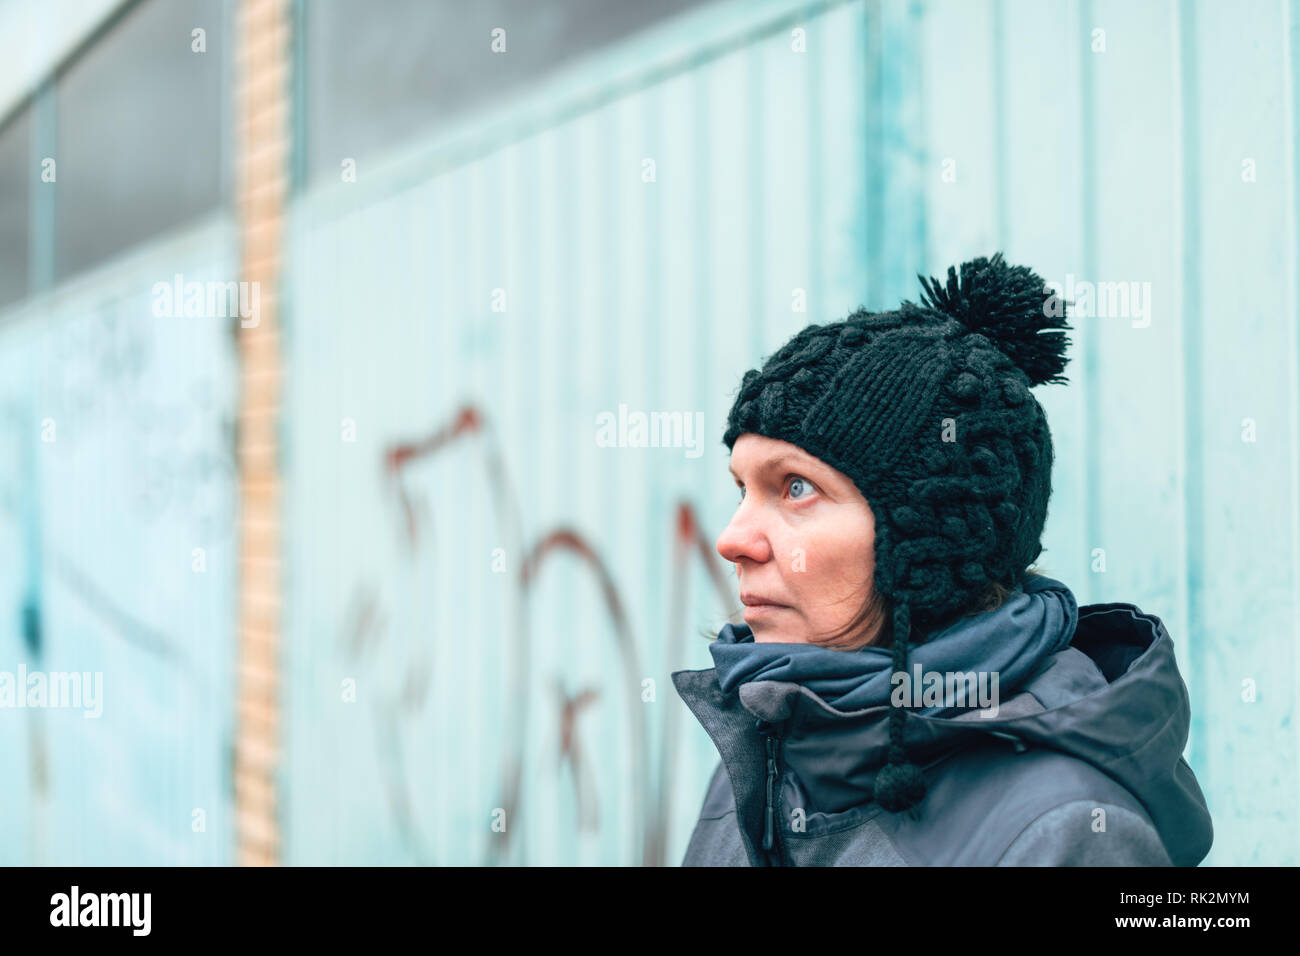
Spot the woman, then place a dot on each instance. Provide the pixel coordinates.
(906, 690)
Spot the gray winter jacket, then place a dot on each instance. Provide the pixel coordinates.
(1082, 766)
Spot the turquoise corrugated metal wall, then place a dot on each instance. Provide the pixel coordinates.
(1116, 144)
(492, 582)
(117, 530)
(1106, 157)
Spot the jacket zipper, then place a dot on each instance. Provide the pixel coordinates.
(771, 845)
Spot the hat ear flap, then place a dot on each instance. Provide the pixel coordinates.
(878, 400)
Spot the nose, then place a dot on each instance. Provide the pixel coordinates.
(744, 537)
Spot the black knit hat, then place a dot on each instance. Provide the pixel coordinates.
(927, 409)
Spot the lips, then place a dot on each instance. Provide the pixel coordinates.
(759, 600)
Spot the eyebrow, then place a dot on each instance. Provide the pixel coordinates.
(773, 463)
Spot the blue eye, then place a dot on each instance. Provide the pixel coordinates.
(797, 482)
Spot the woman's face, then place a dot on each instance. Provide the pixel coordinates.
(802, 540)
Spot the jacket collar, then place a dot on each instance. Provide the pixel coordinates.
(739, 745)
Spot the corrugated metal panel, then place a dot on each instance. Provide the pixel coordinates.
(822, 172)
(116, 429)
(647, 251)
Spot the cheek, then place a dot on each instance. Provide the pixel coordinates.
(850, 552)
(839, 557)
(865, 549)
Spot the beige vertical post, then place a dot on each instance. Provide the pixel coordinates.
(262, 159)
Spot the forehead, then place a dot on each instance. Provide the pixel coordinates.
(758, 453)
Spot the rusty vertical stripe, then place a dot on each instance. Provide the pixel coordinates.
(262, 156)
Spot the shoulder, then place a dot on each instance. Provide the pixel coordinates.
(1034, 807)
(1087, 833)
(1064, 811)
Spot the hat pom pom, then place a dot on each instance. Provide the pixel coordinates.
(899, 786)
(1012, 307)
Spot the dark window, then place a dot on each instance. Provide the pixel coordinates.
(140, 130)
(378, 75)
(16, 183)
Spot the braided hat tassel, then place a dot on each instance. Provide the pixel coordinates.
(899, 785)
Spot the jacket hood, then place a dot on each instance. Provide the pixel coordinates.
(1113, 697)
